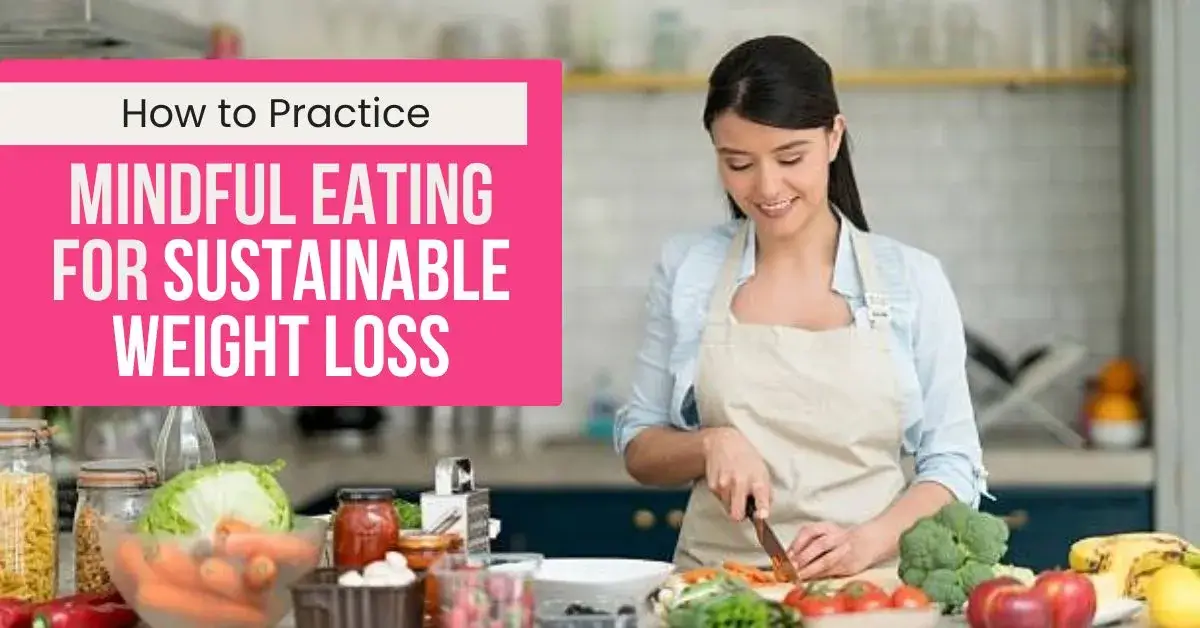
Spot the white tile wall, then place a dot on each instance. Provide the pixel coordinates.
(1020, 194)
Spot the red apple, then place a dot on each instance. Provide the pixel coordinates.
(1072, 598)
(1020, 607)
(980, 602)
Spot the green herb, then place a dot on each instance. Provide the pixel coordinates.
(409, 513)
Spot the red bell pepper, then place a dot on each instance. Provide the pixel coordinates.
(15, 613)
(85, 616)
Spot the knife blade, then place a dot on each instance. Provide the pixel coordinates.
(780, 563)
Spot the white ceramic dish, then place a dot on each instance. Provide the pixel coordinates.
(583, 580)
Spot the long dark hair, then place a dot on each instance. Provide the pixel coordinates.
(779, 81)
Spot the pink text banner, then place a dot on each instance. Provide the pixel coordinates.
(281, 233)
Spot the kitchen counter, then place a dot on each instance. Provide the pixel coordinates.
(312, 472)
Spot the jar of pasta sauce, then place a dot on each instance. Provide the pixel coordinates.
(365, 527)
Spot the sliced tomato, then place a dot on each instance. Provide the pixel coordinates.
(793, 597)
(856, 588)
(909, 597)
(869, 601)
(820, 605)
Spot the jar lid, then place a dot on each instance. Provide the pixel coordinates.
(366, 495)
(23, 432)
(118, 474)
(414, 541)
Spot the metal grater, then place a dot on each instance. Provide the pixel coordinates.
(454, 490)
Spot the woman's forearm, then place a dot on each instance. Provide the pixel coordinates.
(665, 456)
(919, 501)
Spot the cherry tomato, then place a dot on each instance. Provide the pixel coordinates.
(793, 597)
(820, 605)
(909, 597)
(856, 588)
(869, 601)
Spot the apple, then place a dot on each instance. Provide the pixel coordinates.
(980, 601)
(1006, 603)
(1072, 598)
(1020, 607)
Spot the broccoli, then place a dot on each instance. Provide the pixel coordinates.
(945, 588)
(929, 546)
(973, 574)
(949, 554)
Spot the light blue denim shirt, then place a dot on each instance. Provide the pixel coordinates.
(928, 345)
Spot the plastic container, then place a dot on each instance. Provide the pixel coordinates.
(319, 602)
(483, 591)
(109, 490)
(28, 512)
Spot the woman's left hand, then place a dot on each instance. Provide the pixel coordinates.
(827, 550)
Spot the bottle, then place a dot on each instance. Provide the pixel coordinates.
(1104, 37)
(602, 407)
(184, 442)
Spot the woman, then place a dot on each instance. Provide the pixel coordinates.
(791, 356)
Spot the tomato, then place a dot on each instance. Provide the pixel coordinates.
(855, 588)
(869, 601)
(793, 597)
(909, 597)
(820, 605)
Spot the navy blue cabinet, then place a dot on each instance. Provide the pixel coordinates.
(1045, 521)
(643, 523)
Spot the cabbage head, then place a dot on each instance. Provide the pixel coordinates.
(195, 501)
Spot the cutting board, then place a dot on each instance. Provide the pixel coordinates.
(886, 577)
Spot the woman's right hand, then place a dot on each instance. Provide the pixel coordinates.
(734, 471)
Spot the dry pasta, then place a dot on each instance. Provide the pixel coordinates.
(28, 536)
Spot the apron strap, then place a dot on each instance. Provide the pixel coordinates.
(878, 307)
(722, 295)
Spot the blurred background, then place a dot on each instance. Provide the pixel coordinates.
(1031, 145)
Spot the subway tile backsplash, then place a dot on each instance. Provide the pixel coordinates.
(1019, 193)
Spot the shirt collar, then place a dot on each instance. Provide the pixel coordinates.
(846, 280)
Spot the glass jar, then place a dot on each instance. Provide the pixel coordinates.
(365, 526)
(28, 512)
(115, 491)
(422, 551)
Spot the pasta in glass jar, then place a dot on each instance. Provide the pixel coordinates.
(28, 512)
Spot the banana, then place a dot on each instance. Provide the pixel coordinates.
(1121, 565)
(1149, 563)
(1089, 555)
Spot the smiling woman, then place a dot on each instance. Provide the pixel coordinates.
(791, 356)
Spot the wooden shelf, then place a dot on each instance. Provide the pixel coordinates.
(643, 82)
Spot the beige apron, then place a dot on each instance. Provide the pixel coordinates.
(821, 407)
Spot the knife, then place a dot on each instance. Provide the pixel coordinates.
(780, 563)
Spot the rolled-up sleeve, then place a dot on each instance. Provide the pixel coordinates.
(948, 450)
(650, 400)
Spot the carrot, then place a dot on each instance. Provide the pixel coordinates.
(260, 573)
(230, 525)
(692, 576)
(174, 565)
(222, 578)
(199, 606)
(227, 526)
(281, 548)
(131, 560)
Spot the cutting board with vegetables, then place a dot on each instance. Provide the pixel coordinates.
(885, 577)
